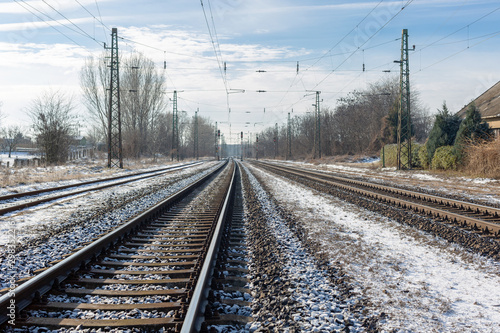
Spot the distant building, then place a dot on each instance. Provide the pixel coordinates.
(488, 104)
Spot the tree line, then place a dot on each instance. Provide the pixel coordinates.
(361, 123)
(146, 122)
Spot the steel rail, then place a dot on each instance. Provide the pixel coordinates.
(465, 220)
(63, 187)
(194, 318)
(37, 202)
(34, 288)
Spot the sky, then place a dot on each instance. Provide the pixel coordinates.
(44, 43)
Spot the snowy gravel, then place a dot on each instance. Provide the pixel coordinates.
(422, 283)
(481, 190)
(321, 309)
(78, 222)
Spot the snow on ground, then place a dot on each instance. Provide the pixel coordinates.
(321, 310)
(80, 220)
(15, 180)
(59, 211)
(483, 189)
(421, 282)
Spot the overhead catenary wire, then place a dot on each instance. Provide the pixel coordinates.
(25, 5)
(334, 46)
(104, 26)
(75, 25)
(216, 51)
(357, 49)
(462, 28)
(100, 20)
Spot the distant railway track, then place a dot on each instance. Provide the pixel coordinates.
(159, 262)
(474, 217)
(29, 199)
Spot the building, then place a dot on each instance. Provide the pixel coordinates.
(488, 104)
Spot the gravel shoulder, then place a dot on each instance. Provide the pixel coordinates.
(413, 281)
(480, 190)
(47, 234)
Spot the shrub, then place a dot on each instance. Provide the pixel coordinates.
(445, 158)
(391, 155)
(443, 131)
(423, 157)
(390, 152)
(483, 159)
(472, 129)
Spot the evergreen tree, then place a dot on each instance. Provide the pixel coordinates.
(472, 128)
(443, 132)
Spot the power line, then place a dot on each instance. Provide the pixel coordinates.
(219, 61)
(458, 52)
(158, 49)
(83, 31)
(340, 41)
(22, 3)
(97, 19)
(100, 20)
(462, 28)
(357, 49)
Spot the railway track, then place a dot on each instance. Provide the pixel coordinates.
(477, 218)
(11, 202)
(150, 274)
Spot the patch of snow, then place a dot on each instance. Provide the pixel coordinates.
(423, 283)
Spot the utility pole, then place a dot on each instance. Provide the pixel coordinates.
(241, 148)
(257, 147)
(115, 153)
(175, 128)
(215, 143)
(196, 153)
(317, 131)
(275, 140)
(289, 138)
(404, 115)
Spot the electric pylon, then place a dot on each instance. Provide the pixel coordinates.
(241, 146)
(275, 140)
(289, 138)
(115, 155)
(404, 115)
(317, 132)
(196, 134)
(175, 128)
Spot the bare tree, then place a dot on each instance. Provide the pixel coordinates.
(142, 92)
(363, 121)
(52, 123)
(12, 136)
(94, 81)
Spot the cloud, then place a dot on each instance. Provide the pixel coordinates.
(20, 7)
(31, 25)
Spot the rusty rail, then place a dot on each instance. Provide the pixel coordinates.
(142, 176)
(34, 289)
(478, 217)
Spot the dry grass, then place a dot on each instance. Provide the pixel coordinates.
(78, 171)
(483, 160)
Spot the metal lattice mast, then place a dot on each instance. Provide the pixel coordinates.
(216, 144)
(275, 140)
(175, 128)
(404, 115)
(289, 138)
(115, 155)
(257, 147)
(317, 131)
(196, 153)
(241, 147)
